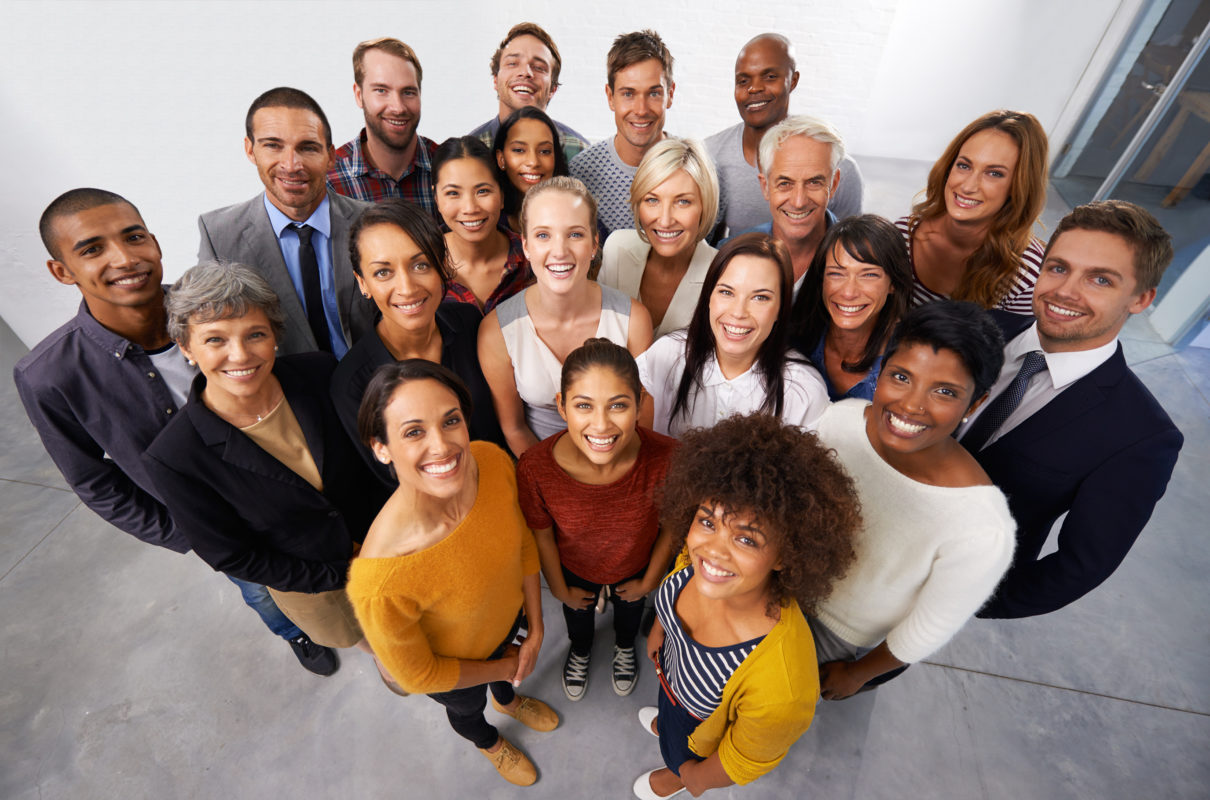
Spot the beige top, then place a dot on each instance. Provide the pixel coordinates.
(280, 435)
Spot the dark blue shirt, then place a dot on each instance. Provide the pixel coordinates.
(98, 401)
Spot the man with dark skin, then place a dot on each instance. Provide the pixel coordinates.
(766, 74)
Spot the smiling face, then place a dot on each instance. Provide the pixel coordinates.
(764, 78)
(919, 401)
(602, 413)
(981, 177)
(235, 354)
(1086, 291)
(524, 77)
(743, 308)
(398, 276)
(638, 99)
(529, 154)
(291, 157)
(853, 291)
(732, 555)
(389, 94)
(428, 441)
(560, 239)
(469, 199)
(799, 184)
(108, 254)
(670, 215)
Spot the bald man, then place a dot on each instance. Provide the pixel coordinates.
(766, 73)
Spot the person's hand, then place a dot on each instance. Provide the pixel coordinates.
(631, 591)
(838, 680)
(507, 663)
(578, 598)
(655, 641)
(527, 656)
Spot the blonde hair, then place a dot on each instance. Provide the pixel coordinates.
(390, 46)
(567, 185)
(665, 159)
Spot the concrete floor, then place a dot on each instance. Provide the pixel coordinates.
(127, 671)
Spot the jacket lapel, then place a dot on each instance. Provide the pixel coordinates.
(259, 239)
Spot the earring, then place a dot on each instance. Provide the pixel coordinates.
(366, 295)
(191, 362)
(384, 459)
(966, 419)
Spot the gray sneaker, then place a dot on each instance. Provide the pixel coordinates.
(575, 675)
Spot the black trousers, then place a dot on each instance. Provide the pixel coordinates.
(464, 707)
(581, 622)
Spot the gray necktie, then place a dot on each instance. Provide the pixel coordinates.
(1003, 406)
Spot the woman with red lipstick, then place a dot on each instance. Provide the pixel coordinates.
(527, 153)
(971, 238)
(733, 358)
(255, 469)
(937, 535)
(663, 261)
(487, 263)
(448, 575)
(399, 259)
(855, 291)
(523, 342)
(604, 460)
(738, 683)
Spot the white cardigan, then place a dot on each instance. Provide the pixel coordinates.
(622, 262)
(927, 556)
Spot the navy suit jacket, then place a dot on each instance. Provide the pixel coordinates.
(243, 233)
(249, 515)
(1102, 451)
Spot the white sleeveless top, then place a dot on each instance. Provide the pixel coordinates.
(535, 369)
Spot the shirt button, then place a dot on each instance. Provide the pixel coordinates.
(150, 374)
(168, 411)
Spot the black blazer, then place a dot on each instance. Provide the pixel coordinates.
(249, 515)
(459, 327)
(1102, 451)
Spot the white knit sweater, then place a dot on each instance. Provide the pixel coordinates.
(927, 556)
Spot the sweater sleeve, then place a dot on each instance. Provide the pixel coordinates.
(963, 575)
(392, 627)
(762, 732)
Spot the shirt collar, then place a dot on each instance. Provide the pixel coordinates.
(320, 219)
(712, 375)
(360, 165)
(1064, 368)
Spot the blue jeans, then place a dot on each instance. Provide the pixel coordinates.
(258, 599)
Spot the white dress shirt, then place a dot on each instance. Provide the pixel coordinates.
(1062, 370)
(660, 368)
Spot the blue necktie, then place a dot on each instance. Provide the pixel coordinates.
(1003, 406)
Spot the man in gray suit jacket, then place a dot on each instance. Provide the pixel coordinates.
(295, 234)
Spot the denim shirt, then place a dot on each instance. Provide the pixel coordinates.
(97, 401)
(863, 389)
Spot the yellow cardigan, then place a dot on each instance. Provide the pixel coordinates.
(768, 702)
(456, 599)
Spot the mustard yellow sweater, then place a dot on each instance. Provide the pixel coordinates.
(768, 702)
(456, 599)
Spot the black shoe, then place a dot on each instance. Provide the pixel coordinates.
(314, 657)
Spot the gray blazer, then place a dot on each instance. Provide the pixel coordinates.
(242, 233)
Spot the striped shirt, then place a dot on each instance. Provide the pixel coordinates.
(696, 674)
(1020, 297)
(354, 176)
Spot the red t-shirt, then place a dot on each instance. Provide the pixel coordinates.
(604, 533)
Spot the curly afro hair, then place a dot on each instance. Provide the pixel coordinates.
(756, 465)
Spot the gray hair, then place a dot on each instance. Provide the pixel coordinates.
(215, 290)
(665, 159)
(799, 125)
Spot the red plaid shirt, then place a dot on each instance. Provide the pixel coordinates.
(517, 275)
(354, 176)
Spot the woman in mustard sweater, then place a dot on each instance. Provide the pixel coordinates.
(448, 573)
(732, 649)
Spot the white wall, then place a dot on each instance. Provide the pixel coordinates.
(148, 98)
